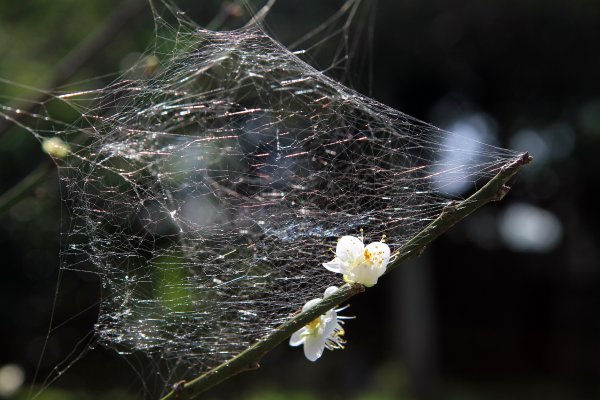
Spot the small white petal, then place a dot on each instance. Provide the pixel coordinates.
(313, 347)
(330, 322)
(297, 339)
(310, 304)
(334, 266)
(364, 275)
(330, 290)
(349, 249)
(380, 254)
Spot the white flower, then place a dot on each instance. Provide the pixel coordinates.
(359, 263)
(324, 332)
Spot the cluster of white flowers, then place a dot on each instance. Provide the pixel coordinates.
(358, 264)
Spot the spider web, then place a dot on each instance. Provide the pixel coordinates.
(207, 192)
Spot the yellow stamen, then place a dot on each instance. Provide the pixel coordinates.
(314, 324)
(367, 254)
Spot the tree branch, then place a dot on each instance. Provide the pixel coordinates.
(248, 359)
(494, 190)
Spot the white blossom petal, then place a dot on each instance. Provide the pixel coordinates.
(379, 255)
(330, 290)
(363, 275)
(297, 339)
(313, 347)
(335, 266)
(330, 323)
(310, 304)
(349, 249)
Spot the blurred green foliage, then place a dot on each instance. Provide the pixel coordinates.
(35, 35)
(170, 285)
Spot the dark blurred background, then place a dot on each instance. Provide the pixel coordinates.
(504, 306)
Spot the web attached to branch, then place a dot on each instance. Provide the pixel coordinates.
(207, 194)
